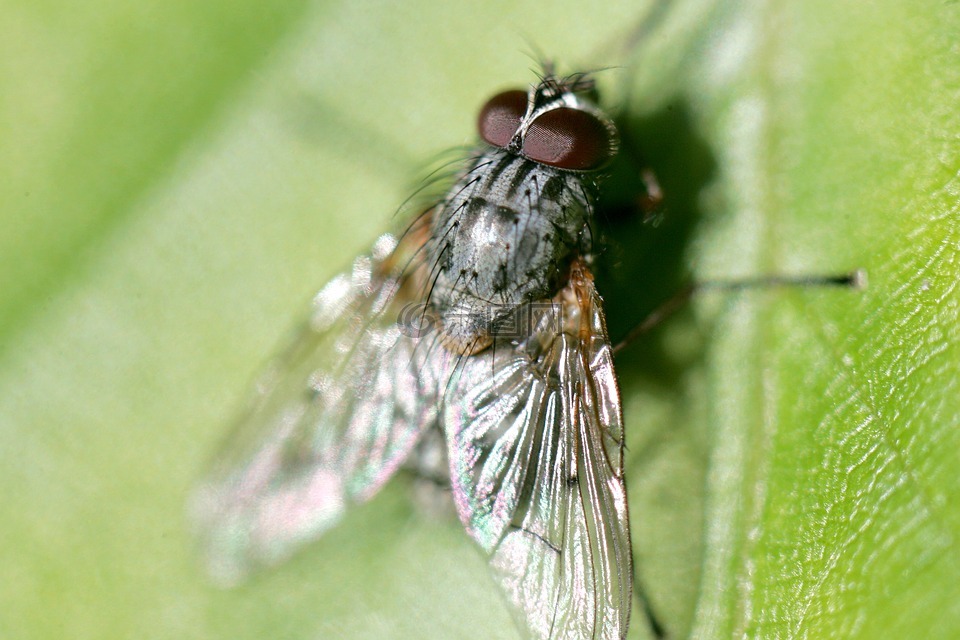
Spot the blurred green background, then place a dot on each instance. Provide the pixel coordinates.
(176, 179)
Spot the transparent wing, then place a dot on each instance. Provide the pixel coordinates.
(332, 419)
(535, 439)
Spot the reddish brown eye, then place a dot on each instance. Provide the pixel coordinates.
(501, 116)
(568, 139)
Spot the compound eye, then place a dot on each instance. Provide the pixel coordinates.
(500, 118)
(569, 138)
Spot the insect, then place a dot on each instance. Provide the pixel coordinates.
(480, 320)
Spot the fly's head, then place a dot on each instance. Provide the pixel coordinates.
(554, 123)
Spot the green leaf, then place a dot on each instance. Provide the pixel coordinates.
(177, 178)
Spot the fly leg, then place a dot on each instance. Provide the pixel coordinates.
(854, 280)
(430, 471)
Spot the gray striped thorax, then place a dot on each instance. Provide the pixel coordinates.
(505, 235)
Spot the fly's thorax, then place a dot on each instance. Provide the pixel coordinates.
(504, 236)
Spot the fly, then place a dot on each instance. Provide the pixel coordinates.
(481, 320)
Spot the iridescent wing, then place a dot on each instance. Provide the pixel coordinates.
(535, 438)
(332, 418)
